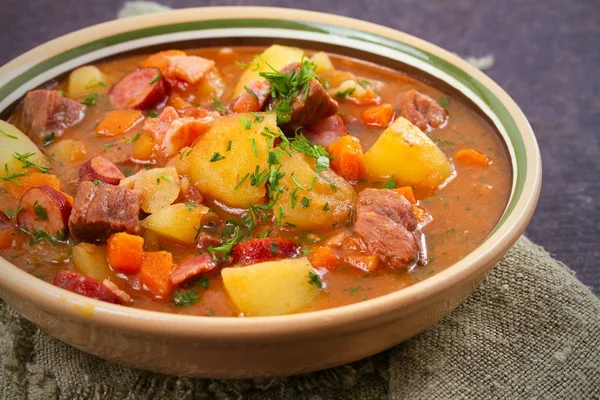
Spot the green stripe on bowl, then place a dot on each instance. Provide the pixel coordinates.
(468, 81)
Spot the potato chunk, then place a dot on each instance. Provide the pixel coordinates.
(177, 221)
(407, 154)
(92, 260)
(14, 142)
(84, 81)
(322, 62)
(160, 187)
(324, 201)
(271, 288)
(232, 149)
(276, 56)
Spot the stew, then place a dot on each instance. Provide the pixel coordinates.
(245, 181)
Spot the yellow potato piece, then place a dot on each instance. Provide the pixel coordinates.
(276, 56)
(271, 288)
(178, 221)
(159, 187)
(330, 200)
(13, 141)
(84, 81)
(322, 62)
(68, 151)
(406, 153)
(248, 150)
(92, 260)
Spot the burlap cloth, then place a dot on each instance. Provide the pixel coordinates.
(530, 331)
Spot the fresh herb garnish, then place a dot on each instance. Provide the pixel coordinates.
(304, 202)
(40, 211)
(241, 181)
(152, 114)
(390, 184)
(315, 279)
(90, 100)
(185, 298)
(444, 101)
(133, 139)
(12, 176)
(254, 149)
(363, 82)
(216, 157)
(345, 93)
(246, 123)
(8, 135)
(326, 207)
(287, 86)
(202, 281)
(250, 92)
(158, 78)
(273, 249)
(353, 289)
(190, 205)
(219, 106)
(228, 146)
(49, 138)
(24, 159)
(166, 178)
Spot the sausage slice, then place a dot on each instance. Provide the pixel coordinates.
(85, 286)
(141, 88)
(43, 208)
(99, 168)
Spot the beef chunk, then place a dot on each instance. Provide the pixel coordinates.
(101, 210)
(326, 131)
(247, 102)
(422, 110)
(388, 203)
(388, 239)
(309, 106)
(387, 226)
(46, 111)
(193, 267)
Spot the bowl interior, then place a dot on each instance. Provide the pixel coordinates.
(379, 45)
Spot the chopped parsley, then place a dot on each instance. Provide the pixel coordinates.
(241, 181)
(274, 249)
(286, 86)
(92, 83)
(152, 114)
(158, 78)
(24, 159)
(228, 146)
(264, 234)
(8, 135)
(353, 289)
(166, 178)
(363, 82)
(190, 205)
(49, 139)
(185, 298)
(133, 139)
(90, 100)
(218, 106)
(345, 93)
(390, 184)
(250, 92)
(40, 211)
(12, 176)
(326, 207)
(444, 101)
(253, 144)
(216, 157)
(315, 279)
(202, 281)
(11, 213)
(304, 203)
(246, 123)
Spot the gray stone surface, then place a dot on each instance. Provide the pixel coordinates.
(547, 58)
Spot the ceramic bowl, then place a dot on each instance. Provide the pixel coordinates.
(282, 345)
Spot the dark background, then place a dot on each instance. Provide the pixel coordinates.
(547, 58)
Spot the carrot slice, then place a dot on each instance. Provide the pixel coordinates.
(365, 262)
(407, 192)
(347, 157)
(117, 122)
(24, 183)
(473, 158)
(160, 60)
(380, 116)
(6, 238)
(155, 273)
(323, 257)
(125, 252)
(142, 148)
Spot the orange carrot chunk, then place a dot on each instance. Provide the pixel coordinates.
(125, 252)
(323, 257)
(160, 60)
(407, 192)
(6, 238)
(379, 116)
(367, 263)
(473, 158)
(347, 157)
(155, 273)
(24, 183)
(117, 122)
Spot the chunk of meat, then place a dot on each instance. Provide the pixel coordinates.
(122, 295)
(388, 203)
(101, 210)
(193, 267)
(388, 239)
(85, 286)
(157, 127)
(46, 112)
(99, 168)
(422, 110)
(326, 131)
(44, 209)
(309, 106)
(189, 69)
(247, 102)
(184, 132)
(141, 88)
(196, 112)
(258, 250)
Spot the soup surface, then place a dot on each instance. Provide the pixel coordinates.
(218, 182)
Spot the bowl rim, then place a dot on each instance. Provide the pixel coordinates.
(335, 321)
